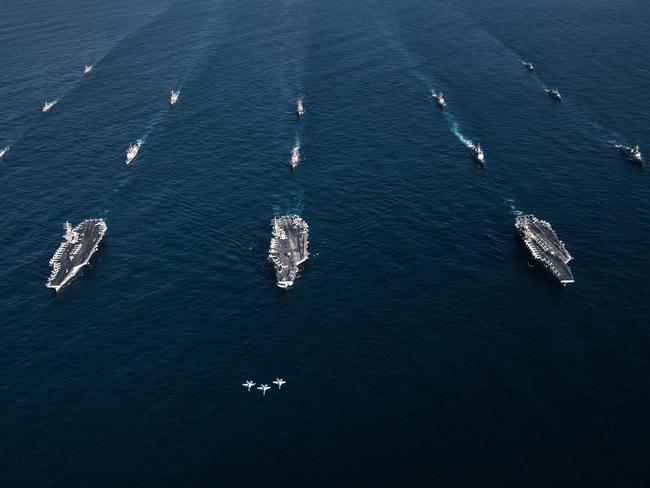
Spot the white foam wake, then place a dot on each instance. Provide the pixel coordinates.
(513, 209)
(461, 137)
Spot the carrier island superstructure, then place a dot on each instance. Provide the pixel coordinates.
(545, 247)
(288, 247)
(75, 251)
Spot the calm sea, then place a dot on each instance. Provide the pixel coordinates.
(418, 346)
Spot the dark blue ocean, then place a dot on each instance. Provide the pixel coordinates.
(418, 346)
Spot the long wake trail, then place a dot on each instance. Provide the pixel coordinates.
(455, 129)
(412, 66)
(598, 131)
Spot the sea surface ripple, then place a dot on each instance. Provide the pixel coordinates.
(418, 346)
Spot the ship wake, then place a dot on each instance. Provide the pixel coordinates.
(513, 207)
(455, 129)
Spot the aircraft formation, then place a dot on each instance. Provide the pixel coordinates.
(248, 384)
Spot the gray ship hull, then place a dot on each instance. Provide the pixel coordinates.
(289, 248)
(545, 247)
(75, 251)
(630, 154)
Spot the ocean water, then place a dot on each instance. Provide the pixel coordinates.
(419, 348)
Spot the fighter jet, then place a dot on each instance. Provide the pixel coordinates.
(279, 382)
(249, 384)
(264, 388)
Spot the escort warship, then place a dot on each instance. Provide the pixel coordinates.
(132, 152)
(173, 96)
(440, 99)
(634, 153)
(295, 157)
(477, 151)
(555, 94)
(48, 105)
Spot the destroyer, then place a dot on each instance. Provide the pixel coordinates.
(529, 66)
(295, 156)
(477, 151)
(48, 105)
(75, 251)
(440, 99)
(132, 152)
(88, 68)
(288, 247)
(554, 93)
(173, 96)
(634, 153)
(545, 247)
(3, 151)
(300, 110)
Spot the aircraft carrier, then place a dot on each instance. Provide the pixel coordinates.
(288, 247)
(545, 247)
(75, 251)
